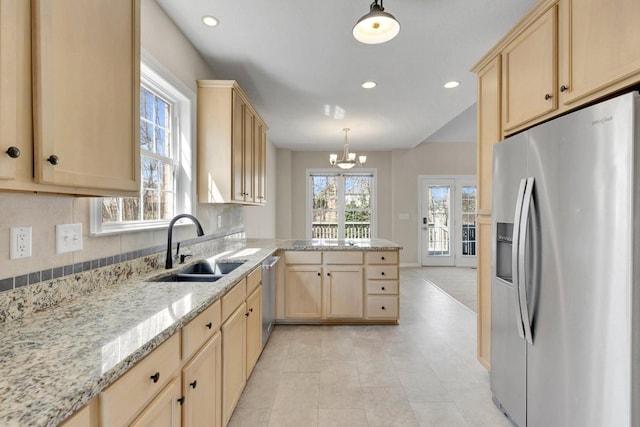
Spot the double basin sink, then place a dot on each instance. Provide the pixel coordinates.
(201, 271)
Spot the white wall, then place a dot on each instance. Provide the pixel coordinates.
(430, 158)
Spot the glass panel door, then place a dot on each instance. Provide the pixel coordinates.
(437, 230)
(448, 235)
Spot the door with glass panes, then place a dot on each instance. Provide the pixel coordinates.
(448, 221)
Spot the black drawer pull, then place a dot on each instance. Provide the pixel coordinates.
(181, 400)
(155, 377)
(382, 288)
(383, 307)
(209, 325)
(382, 273)
(193, 384)
(382, 258)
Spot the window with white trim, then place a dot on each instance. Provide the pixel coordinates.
(341, 205)
(165, 162)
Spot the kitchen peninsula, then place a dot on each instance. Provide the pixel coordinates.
(70, 358)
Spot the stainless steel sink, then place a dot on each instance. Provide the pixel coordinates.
(202, 271)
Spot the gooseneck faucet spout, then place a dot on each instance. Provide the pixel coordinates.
(169, 261)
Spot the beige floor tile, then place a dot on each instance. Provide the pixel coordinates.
(388, 406)
(243, 417)
(337, 349)
(339, 372)
(438, 414)
(297, 390)
(341, 396)
(293, 417)
(342, 418)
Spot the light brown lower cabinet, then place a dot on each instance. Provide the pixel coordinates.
(201, 386)
(164, 410)
(254, 329)
(233, 361)
(344, 289)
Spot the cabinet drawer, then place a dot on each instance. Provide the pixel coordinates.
(382, 272)
(122, 400)
(303, 257)
(200, 329)
(254, 279)
(382, 287)
(382, 257)
(382, 306)
(342, 257)
(232, 299)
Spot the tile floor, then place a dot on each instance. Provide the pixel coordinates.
(422, 372)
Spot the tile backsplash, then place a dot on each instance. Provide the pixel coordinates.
(43, 212)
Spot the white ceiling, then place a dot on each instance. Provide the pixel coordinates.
(302, 69)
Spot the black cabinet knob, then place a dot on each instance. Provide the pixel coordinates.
(247, 314)
(382, 258)
(383, 307)
(209, 325)
(251, 310)
(155, 377)
(382, 273)
(564, 88)
(193, 384)
(13, 152)
(547, 96)
(181, 400)
(328, 274)
(382, 288)
(319, 274)
(53, 159)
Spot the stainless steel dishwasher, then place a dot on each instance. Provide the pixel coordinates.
(268, 296)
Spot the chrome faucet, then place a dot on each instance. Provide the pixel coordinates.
(169, 262)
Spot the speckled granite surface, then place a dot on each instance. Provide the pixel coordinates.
(337, 245)
(54, 361)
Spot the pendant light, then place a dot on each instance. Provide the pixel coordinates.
(377, 26)
(348, 159)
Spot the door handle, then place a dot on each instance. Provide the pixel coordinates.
(522, 243)
(514, 255)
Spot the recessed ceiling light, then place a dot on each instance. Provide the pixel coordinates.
(451, 84)
(210, 21)
(369, 85)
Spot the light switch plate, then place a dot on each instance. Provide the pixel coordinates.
(68, 238)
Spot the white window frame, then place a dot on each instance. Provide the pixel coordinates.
(183, 100)
(374, 198)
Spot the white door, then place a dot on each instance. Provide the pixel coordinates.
(448, 221)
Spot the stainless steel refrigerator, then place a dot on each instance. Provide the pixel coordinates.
(565, 302)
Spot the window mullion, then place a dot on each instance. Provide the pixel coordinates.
(341, 206)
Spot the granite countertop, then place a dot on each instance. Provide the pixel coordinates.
(54, 361)
(338, 245)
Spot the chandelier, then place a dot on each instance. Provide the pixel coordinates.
(348, 159)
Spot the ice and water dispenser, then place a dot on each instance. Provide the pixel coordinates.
(504, 245)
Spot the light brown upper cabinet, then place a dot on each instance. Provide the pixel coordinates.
(231, 145)
(73, 120)
(599, 47)
(529, 72)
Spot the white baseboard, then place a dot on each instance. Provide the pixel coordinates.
(409, 264)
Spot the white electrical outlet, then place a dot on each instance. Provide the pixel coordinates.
(20, 242)
(219, 221)
(68, 238)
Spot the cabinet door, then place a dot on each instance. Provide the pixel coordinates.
(303, 292)
(87, 93)
(254, 329)
(164, 410)
(484, 290)
(233, 361)
(248, 172)
(10, 80)
(489, 130)
(260, 168)
(237, 148)
(529, 72)
(344, 292)
(600, 47)
(202, 386)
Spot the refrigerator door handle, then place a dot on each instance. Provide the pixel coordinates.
(522, 245)
(514, 256)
